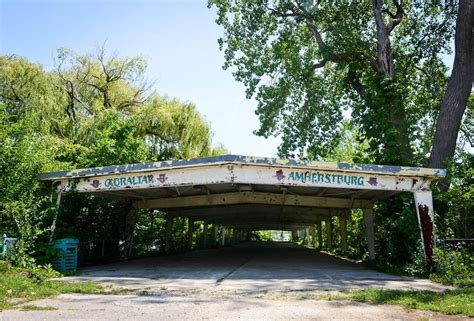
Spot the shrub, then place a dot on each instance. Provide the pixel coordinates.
(41, 273)
(455, 267)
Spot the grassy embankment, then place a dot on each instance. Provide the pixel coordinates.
(16, 287)
(458, 301)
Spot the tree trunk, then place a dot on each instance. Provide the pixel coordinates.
(458, 90)
(384, 48)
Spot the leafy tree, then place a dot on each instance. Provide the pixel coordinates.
(310, 64)
(92, 110)
(306, 62)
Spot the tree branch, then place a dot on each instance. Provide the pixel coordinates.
(278, 13)
(397, 18)
(320, 64)
(317, 35)
(358, 86)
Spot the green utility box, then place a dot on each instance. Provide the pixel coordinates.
(66, 261)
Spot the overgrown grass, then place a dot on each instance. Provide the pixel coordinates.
(459, 301)
(17, 287)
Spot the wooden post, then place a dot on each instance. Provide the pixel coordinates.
(369, 231)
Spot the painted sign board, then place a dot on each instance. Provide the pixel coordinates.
(246, 174)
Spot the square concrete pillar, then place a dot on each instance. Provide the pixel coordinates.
(214, 235)
(130, 220)
(204, 235)
(294, 236)
(312, 231)
(190, 233)
(223, 236)
(320, 235)
(328, 226)
(424, 211)
(343, 224)
(168, 230)
(369, 231)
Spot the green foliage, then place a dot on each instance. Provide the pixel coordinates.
(455, 208)
(448, 302)
(454, 267)
(307, 63)
(92, 110)
(265, 235)
(356, 241)
(149, 236)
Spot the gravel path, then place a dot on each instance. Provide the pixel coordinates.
(131, 307)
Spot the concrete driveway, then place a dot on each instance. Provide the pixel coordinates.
(264, 281)
(249, 267)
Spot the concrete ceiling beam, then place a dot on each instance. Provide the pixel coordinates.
(252, 198)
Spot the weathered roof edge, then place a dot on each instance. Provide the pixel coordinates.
(144, 167)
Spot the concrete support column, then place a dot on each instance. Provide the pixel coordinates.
(190, 233)
(329, 233)
(294, 236)
(369, 231)
(424, 211)
(130, 220)
(320, 235)
(223, 236)
(214, 235)
(168, 228)
(312, 231)
(343, 224)
(204, 235)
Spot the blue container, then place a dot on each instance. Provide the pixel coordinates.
(66, 261)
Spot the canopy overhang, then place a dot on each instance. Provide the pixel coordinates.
(255, 192)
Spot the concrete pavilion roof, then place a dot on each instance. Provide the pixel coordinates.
(238, 159)
(247, 191)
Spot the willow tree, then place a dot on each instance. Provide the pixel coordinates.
(306, 62)
(92, 110)
(116, 116)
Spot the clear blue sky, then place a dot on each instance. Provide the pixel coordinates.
(178, 38)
